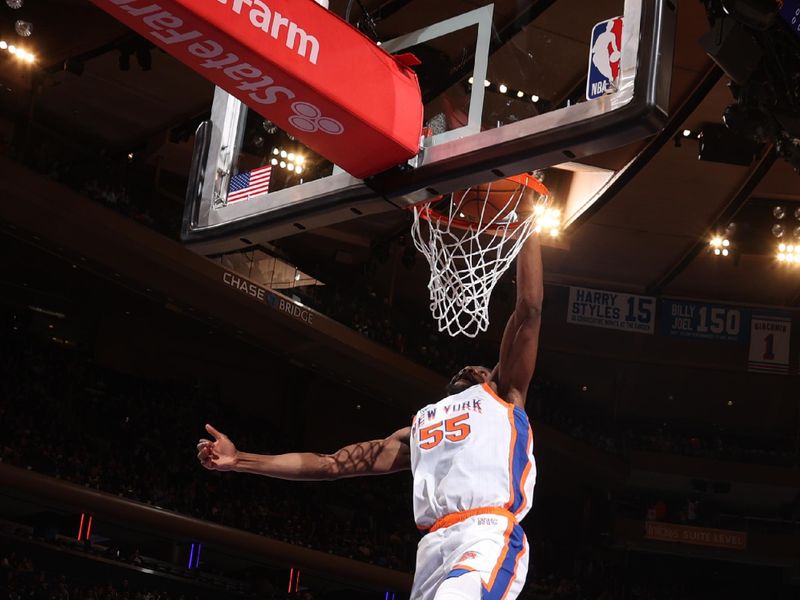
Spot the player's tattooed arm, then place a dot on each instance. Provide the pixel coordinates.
(376, 457)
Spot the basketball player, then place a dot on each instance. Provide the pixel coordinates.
(471, 459)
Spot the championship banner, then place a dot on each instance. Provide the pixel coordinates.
(681, 318)
(769, 344)
(611, 310)
(294, 62)
(696, 536)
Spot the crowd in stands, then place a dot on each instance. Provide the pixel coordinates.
(67, 417)
(118, 181)
(22, 579)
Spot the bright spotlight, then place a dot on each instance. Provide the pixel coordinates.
(274, 162)
(290, 166)
(298, 169)
(486, 83)
(726, 243)
(717, 251)
(781, 256)
(12, 49)
(725, 252)
(520, 94)
(687, 133)
(299, 159)
(503, 88)
(534, 98)
(290, 156)
(3, 44)
(275, 151)
(283, 153)
(283, 164)
(471, 80)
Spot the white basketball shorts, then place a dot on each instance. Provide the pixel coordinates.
(492, 544)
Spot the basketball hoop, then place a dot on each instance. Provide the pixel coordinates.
(471, 238)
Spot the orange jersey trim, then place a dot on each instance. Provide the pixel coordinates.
(458, 517)
(516, 568)
(510, 410)
(525, 473)
(502, 558)
(488, 389)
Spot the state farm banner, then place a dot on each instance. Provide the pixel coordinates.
(294, 62)
(612, 310)
(769, 344)
(697, 536)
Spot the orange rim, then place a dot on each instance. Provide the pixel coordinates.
(431, 214)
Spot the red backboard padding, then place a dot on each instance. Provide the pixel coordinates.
(299, 65)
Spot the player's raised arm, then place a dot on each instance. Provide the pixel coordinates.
(520, 343)
(376, 457)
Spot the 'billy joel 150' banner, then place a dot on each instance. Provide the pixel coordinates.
(612, 310)
(769, 344)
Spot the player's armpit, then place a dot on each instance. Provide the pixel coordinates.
(376, 457)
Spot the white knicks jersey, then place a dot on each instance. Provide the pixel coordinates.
(471, 450)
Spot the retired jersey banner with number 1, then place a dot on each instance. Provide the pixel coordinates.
(611, 310)
(769, 344)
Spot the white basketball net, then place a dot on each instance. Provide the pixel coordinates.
(468, 259)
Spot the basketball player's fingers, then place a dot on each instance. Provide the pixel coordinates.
(217, 435)
(203, 444)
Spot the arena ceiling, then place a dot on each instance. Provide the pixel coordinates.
(649, 235)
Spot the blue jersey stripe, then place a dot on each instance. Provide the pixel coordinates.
(458, 572)
(520, 459)
(505, 574)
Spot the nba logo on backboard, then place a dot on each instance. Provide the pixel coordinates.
(605, 54)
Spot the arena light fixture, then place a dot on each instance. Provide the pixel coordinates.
(503, 88)
(789, 254)
(720, 245)
(534, 98)
(520, 94)
(687, 133)
(549, 220)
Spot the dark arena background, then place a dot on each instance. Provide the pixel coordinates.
(665, 404)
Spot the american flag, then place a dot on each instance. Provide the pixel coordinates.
(247, 184)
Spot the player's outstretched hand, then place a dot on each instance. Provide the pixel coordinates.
(219, 455)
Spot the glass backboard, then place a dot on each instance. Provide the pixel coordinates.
(507, 87)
